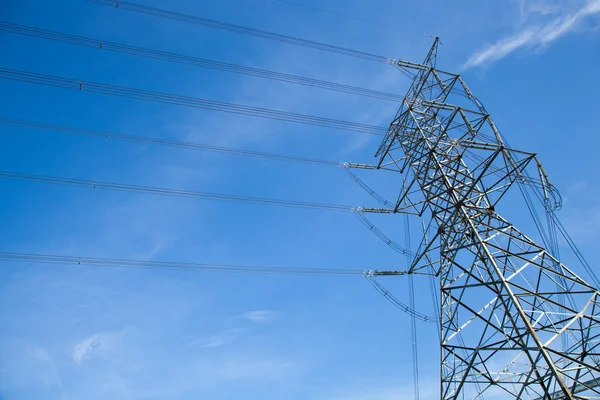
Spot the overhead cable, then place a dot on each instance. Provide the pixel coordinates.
(165, 142)
(369, 21)
(550, 239)
(169, 265)
(168, 192)
(125, 5)
(366, 187)
(187, 101)
(359, 212)
(575, 249)
(411, 296)
(396, 302)
(198, 62)
(84, 261)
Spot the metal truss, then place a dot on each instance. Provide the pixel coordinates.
(515, 322)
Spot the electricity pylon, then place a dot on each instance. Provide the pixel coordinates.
(514, 321)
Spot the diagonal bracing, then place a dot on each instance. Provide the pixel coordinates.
(515, 322)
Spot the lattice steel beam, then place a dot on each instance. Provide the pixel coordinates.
(515, 321)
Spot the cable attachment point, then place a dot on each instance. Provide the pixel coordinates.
(554, 200)
(376, 210)
(388, 273)
(359, 166)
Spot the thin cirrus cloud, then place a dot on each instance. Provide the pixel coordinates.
(228, 336)
(261, 316)
(538, 35)
(96, 344)
(219, 340)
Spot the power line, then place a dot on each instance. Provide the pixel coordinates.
(240, 29)
(397, 303)
(169, 192)
(339, 14)
(170, 265)
(195, 61)
(366, 187)
(382, 236)
(186, 101)
(83, 261)
(575, 249)
(227, 150)
(411, 296)
(165, 142)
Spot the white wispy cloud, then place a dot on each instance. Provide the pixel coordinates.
(261, 316)
(96, 344)
(532, 8)
(218, 340)
(537, 35)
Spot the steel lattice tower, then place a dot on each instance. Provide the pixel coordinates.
(515, 322)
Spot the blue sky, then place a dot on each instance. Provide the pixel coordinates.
(73, 333)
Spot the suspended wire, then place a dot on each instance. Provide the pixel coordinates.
(125, 5)
(198, 267)
(381, 342)
(435, 300)
(170, 265)
(549, 237)
(230, 268)
(554, 223)
(382, 236)
(411, 310)
(548, 241)
(168, 192)
(575, 250)
(409, 74)
(164, 142)
(534, 215)
(198, 62)
(411, 296)
(367, 189)
(187, 101)
(338, 14)
(555, 251)
(552, 235)
(392, 299)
